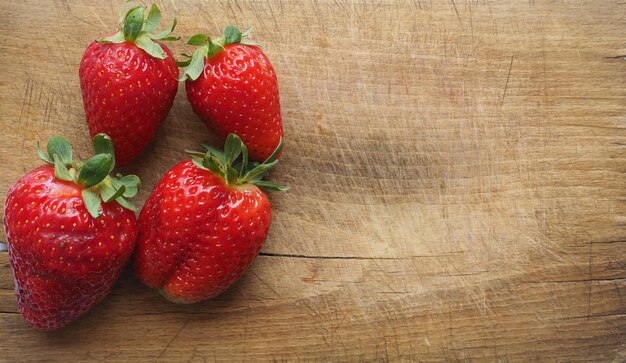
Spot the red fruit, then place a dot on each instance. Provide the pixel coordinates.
(200, 229)
(64, 259)
(129, 83)
(235, 90)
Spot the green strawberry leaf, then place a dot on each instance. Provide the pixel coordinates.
(195, 153)
(60, 170)
(183, 63)
(133, 23)
(244, 160)
(245, 41)
(214, 151)
(162, 35)
(109, 193)
(152, 48)
(232, 148)
(130, 182)
(198, 162)
(59, 146)
(42, 155)
(153, 20)
(170, 38)
(102, 144)
(116, 38)
(259, 170)
(258, 177)
(92, 202)
(211, 163)
(95, 170)
(120, 13)
(266, 184)
(250, 42)
(126, 204)
(232, 35)
(214, 47)
(196, 66)
(198, 39)
(274, 155)
(218, 156)
(231, 175)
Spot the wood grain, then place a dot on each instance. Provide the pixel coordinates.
(456, 172)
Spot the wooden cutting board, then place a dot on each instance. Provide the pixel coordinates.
(456, 173)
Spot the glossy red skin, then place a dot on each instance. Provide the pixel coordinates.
(237, 92)
(63, 260)
(197, 235)
(127, 94)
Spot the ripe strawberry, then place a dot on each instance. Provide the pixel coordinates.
(67, 246)
(232, 86)
(129, 83)
(204, 223)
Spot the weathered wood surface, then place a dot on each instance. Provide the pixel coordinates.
(456, 172)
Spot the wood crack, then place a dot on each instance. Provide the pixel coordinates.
(508, 76)
(609, 242)
(172, 312)
(289, 255)
(173, 338)
(361, 258)
(571, 281)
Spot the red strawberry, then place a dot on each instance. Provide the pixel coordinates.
(232, 86)
(129, 83)
(67, 246)
(204, 223)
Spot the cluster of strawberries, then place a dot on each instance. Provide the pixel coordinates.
(70, 225)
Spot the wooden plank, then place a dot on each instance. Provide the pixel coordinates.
(456, 172)
(348, 318)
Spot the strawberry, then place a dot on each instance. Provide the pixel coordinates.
(129, 82)
(204, 223)
(70, 232)
(232, 86)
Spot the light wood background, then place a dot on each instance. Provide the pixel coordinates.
(456, 172)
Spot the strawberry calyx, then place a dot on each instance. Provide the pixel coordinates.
(93, 174)
(233, 165)
(209, 47)
(134, 29)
